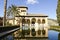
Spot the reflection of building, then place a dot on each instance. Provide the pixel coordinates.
(35, 39)
(37, 21)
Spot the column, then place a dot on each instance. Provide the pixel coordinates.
(30, 23)
(36, 27)
(41, 27)
(46, 27)
(20, 24)
(30, 27)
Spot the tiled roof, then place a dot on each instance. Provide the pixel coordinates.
(33, 15)
(36, 15)
(22, 7)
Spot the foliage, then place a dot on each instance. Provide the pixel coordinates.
(59, 36)
(58, 12)
(12, 12)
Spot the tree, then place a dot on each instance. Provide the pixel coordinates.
(58, 12)
(5, 6)
(12, 12)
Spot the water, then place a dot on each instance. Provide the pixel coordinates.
(52, 35)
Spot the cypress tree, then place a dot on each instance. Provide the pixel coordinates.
(58, 12)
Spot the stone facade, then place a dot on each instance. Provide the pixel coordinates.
(36, 21)
(52, 22)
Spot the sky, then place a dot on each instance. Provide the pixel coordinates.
(47, 7)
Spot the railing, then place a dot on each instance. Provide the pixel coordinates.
(8, 30)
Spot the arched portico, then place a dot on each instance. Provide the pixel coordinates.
(39, 21)
(33, 21)
(27, 21)
(43, 21)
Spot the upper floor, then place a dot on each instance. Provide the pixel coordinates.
(22, 10)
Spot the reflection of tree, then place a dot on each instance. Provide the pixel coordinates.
(59, 36)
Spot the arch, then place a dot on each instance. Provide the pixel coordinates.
(18, 22)
(43, 21)
(23, 20)
(28, 21)
(33, 20)
(39, 21)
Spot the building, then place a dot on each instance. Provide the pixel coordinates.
(36, 21)
(53, 22)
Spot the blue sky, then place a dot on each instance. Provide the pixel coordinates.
(34, 6)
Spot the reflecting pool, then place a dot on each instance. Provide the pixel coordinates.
(52, 35)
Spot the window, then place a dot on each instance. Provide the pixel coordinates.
(33, 20)
(28, 21)
(43, 21)
(39, 21)
(23, 10)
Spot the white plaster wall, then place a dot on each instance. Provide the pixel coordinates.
(39, 26)
(16, 20)
(11, 21)
(22, 13)
(36, 26)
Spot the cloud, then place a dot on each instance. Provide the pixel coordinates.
(32, 1)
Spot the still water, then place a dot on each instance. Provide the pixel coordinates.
(52, 35)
